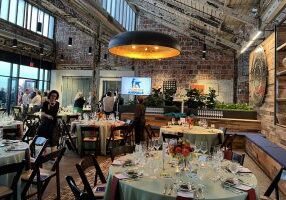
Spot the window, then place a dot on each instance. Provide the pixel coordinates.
(29, 13)
(46, 25)
(118, 6)
(108, 7)
(5, 68)
(28, 72)
(46, 75)
(121, 12)
(51, 28)
(20, 14)
(40, 22)
(113, 7)
(13, 11)
(4, 9)
(103, 3)
(15, 70)
(41, 74)
(34, 19)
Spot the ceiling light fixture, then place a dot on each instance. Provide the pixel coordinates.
(251, 42)
(144, 45)
(70, 42)
(14, 43)
(89, 50)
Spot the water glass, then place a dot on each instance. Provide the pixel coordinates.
(233, 167)
(173, 121)
(204, 147)
(197, 146)
(157, 144)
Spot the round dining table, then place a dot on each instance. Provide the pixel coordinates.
(104, 130)
(13, 124)
(12, 151)
(153, 186)
(194, 134)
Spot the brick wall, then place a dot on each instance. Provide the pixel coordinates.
(266, 111)
(242, 78)
(188, 68)
(77, 55)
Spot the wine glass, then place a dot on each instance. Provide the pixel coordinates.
(157, 144)
(204, 147)
(197, 146)
(173, 121)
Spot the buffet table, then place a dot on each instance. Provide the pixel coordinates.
(152, 185)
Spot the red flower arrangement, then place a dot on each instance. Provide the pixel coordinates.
(180, 150)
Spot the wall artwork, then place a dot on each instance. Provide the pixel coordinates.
(258, 77)
(204, 88)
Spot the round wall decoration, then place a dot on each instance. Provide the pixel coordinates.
(257, 77)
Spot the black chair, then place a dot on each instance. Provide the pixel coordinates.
(88, 163)
(223, 135)
(41, 177)
(238, 158)
(171, 136)
(90, 135)
(8, 192)
(228, 141)
(68, 137)
(12, 134)
(121, 150)
(40, 142)
(150, 134)
(78, 194)
(30, 131)
(273, 186)
(116, 138)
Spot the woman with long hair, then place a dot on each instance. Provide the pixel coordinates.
(79, 101)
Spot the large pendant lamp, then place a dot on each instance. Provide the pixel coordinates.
(144, 45)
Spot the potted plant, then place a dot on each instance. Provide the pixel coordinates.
(155, 99)
(196, 99)
(211, 99)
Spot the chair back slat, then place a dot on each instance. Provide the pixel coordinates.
(238, 158)
(121, 150)
(82, 169)
(74, 188)
(171, 136)
(228, 141)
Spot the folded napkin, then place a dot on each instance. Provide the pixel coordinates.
(185, 196)
(251, 192)
(227, 154)
(115, 186)
(243, 170)
(117, 162)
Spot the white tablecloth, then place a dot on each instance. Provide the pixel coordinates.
(104, 130)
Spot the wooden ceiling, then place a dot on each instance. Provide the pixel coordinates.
(221, 23)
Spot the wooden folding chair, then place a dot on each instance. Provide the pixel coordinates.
(90, 135)
(228, 141)
(115, 137)
(121, 150)
(88, 163)
(78, 194)
(238, 158)
(7, 192)
(41, 177)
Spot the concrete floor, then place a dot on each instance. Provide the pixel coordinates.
(67, 167)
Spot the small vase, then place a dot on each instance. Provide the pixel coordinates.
(185, 163)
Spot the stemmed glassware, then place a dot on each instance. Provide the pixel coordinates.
(197, 147)
(204, 147)
(156, 144)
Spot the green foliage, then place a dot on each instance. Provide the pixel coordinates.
(131, 102)
(168, 94)
(197, 100)
(211, 99)
(155, 99)
(233, 106)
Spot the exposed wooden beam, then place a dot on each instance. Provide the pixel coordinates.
(214, 4)
(175, 27)
(182, 20)
(271, 12)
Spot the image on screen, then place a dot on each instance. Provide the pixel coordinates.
(136, 85)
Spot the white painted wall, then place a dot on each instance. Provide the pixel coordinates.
(56, 77)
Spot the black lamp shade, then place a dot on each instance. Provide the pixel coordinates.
(41, 51)
(39, 27)
(204, 48)
(105, 56)
(62, 57)
(70, 41)
(144, 45)
(14, 43)
(204, 56)
(89, 50)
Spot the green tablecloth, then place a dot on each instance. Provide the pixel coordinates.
(196, 133)
(148, 188)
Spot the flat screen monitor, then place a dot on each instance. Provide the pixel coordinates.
(136, 85)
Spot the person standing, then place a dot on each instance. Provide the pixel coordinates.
(26, 101)
(48, 127)
(139, 120)
(108, 103)
(78, 102)
(37, 102)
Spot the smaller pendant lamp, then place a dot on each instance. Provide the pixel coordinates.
(144, 45)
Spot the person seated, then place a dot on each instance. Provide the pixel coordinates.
(79, 101)
(108, 103)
